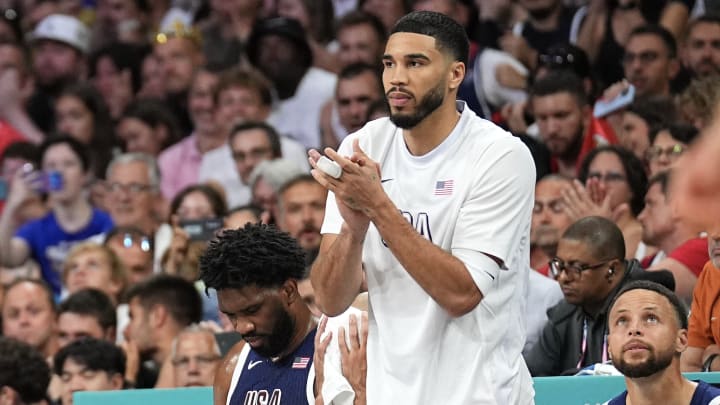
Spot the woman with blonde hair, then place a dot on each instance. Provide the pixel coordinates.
(90, 265)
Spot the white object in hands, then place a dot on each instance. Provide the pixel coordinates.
(329, 167)
(606, 107)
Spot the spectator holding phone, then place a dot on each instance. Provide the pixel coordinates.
(63, 176)
(196, 213)
(12, 159)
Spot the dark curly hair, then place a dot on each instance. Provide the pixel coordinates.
(258, 254)
(94, 354)
(634, 172)
(23, 369)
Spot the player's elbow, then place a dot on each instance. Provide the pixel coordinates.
(330, 307)
(463, 304)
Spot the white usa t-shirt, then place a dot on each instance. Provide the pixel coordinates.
(473, 193)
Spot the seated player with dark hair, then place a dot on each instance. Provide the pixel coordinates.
(256, 270)
(647, 332)
(591, 268)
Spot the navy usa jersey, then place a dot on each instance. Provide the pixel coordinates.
(258, 380)
(705, 394)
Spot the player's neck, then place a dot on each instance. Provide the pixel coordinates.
(305, 323)
(430, 133)
(664, 387)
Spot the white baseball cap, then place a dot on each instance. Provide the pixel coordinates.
(63, 28)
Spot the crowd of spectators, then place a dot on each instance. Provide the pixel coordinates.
(132, 131)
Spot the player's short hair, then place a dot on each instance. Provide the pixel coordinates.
(93, 354)
(681, 313)
(449, 36)
(601, 236)
(91, 302)
(23, 369)
(177, 295)
(256, 255)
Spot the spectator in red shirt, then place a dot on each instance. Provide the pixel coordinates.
(681, 250)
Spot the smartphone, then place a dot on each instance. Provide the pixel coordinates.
(622, 100)
(3, 189)
(46, 181)
(52, 181)
(202, 229)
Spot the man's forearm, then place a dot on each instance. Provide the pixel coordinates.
(359, 398)
(443, 276)
(336, 275)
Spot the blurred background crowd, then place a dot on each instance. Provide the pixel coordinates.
(131, 131)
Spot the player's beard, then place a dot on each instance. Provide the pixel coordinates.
(430, 102)
(655, 362)
(278, 340)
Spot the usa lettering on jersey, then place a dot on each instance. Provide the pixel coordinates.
(421, 223)
(262, 397)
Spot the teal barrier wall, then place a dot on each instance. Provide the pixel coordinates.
(585, 390)
(178, 396)
(590, 390)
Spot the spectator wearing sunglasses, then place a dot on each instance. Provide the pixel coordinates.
(133, 198)
(134, 248)
(590, 266)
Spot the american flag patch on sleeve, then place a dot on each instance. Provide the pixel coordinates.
(301, 362)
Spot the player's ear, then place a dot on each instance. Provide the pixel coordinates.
(681, 341)
(456, 74)
(289, 291)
